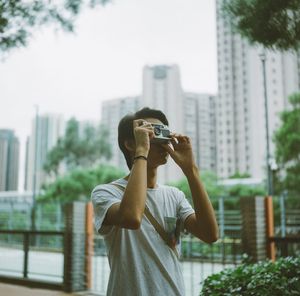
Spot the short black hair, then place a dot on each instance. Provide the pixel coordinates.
(125, 128)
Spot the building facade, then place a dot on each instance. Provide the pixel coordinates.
(9, 160)
(240, 111)
(46, 130)
(111, 113)
(162, 90)
(188, 113)
(200, 126)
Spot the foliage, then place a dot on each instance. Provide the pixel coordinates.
(274, 24)
(18, 19)
(242, 190)
(263, 278)
(209, 180)
(287, 142)
(76, 150)
(214, 189)
(238, 175)
(78, 184)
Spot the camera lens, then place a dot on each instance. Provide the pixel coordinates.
(157, 131)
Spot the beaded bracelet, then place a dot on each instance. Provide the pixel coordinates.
(140, 156)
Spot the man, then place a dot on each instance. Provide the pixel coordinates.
(141, 262)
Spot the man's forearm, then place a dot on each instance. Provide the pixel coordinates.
(204, 211)
(133, 203)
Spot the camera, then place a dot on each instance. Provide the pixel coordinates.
(161, 134)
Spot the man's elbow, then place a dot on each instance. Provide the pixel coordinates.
(214, 236)
(131, 223)
(209, 238)
(212, 239)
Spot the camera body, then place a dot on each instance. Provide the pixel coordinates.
(161, 134)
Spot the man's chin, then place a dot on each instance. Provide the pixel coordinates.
(164, 160)
(160, 162)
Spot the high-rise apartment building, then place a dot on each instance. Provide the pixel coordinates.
(9, 160)
(189, 113)
(46, 130)
(111, 113)
(162, 90)
(240, 111)
(200, 126)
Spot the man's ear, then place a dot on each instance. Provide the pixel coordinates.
(130, 145)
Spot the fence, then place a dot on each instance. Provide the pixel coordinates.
(25, 262)
(83, 266)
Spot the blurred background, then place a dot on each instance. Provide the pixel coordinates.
(225, 74)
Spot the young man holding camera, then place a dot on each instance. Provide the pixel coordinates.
(140, 219)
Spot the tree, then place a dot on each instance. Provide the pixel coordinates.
(287, 142)
(243, 190)
(18, 19)
(78, 184)
(238, 175)
(77, 150)
(210, 182)
(216, 190)
(274, 24)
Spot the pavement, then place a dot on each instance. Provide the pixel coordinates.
(13, 290)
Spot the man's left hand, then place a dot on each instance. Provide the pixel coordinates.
(181, 151)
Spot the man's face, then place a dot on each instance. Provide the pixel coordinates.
(157, 155)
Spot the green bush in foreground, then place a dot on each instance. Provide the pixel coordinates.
(260, 279)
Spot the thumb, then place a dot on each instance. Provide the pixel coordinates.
(168, 148)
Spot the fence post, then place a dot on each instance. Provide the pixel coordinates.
(282, 215)
(221, 217)
(89, 244)
(58, 221)
(270, 227)
(74, 247)
(254, 227)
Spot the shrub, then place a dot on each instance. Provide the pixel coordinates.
(261, 279)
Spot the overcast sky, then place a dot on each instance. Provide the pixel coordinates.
(72, 73)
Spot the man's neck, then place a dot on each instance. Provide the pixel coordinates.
(151, 177)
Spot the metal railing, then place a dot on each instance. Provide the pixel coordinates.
(37, 278)
(286, 246)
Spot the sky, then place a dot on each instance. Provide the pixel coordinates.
(71, 74)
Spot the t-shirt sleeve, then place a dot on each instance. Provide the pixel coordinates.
(102, 199)
(184, 208)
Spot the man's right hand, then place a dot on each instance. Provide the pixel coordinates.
(143, 133)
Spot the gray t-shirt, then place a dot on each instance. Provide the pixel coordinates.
(141, 263)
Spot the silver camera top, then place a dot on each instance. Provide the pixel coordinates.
(161, 133)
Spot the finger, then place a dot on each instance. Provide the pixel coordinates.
(168, 148)
(146, 128)
(181, 138)
(151, 134)
(147, 124)
(176, 136)
(174, 141)
(138, 122)
(188, 140)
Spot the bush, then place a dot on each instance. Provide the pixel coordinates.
(264, 278)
